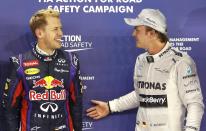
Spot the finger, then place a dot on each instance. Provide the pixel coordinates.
(91, 109)
(96, 102)
(92, 113)
(97, 117)
(93, 116)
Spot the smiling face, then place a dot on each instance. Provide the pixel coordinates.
(49, 36)
(52, 33)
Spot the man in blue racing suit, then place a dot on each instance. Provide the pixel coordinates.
(44, 92)
(166, 84)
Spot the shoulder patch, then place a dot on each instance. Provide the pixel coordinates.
(177, 53)
(74, 59)
(15, 60)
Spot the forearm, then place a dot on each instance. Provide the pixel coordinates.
(126, 102)
(194, 116)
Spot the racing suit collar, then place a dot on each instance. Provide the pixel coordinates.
(163, 52)
(43, 56)
(40, 51)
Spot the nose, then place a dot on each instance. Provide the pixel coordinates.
(134, 33)
(60, 32)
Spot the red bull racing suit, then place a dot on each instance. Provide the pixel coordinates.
(166, 87)
(44, 93)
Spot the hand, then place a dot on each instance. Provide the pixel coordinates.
(98, 111)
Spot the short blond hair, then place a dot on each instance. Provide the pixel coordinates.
(38, 20)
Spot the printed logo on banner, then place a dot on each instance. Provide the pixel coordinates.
(86, 78)
(86, 125)
(183, 44)
(75, 43)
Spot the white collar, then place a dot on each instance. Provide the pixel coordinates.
(40, 51)
(165, 50)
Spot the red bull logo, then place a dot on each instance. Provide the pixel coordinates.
(48, 82)
(47, 95)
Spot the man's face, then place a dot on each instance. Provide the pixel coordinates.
(141, 36)
(52, 33)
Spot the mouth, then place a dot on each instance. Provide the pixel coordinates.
(59, 40)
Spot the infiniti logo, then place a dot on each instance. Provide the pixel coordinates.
(60, 60)
(49, 105)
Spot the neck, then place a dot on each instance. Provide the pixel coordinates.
(44, 49)
(155, 47)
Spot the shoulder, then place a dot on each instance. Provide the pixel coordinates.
(185, 63)
(70, 56)
(181, 57)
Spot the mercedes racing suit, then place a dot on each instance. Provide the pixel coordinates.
(166, 86)
(44, 93)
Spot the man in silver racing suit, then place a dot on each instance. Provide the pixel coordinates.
(167, 88)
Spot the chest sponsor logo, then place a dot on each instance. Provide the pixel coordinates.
(32, 71)
(151, 85)
(48, 58)
(147, 124)
(49, 106)
(61, 62)
(48, 82)
(60, 127)
(61, 70)
(161, 70)
(47, 95)
(31, 63)
(153, 100)
(47, 116)
(35, 128)
(32, 77)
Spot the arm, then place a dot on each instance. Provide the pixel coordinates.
(12, 98)
(76, 94)
(126, 102)
(103, 109)
(190, 93)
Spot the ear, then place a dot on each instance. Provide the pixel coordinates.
(39, 33)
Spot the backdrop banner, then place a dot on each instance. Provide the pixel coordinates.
(96, 31)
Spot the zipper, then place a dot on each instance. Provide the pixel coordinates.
(48, 74)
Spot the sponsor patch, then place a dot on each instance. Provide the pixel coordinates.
(32, 71)
(30, 63)
(150, 101)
